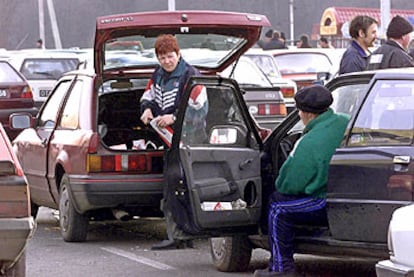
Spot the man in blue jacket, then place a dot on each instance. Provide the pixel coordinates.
(363, 30)
(300, 195)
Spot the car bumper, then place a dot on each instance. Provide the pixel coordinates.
(97, 192)
(270, 122)
(14, 234)
(389, 268)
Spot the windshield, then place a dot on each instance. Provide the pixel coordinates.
(303, 63)
(204, 50)
(247, 73)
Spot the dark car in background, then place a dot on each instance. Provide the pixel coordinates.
(87, 153)
(15, 96)
(219, 188)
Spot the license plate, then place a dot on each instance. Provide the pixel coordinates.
(44, 92)
(3, 93)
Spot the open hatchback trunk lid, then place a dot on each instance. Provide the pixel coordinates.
(209, 40)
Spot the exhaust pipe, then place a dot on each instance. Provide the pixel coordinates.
(121, 215)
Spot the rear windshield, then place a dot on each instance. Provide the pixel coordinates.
(204, 50)
(8, 74)
(47, 69)
(303, 63)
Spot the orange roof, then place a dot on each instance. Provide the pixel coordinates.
(334, 17)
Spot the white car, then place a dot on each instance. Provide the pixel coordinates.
(42, 68)
(400, 244)
(268, 65)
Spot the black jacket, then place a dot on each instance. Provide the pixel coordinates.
(389, 55)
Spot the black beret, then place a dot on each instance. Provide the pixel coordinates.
(313, 99)
(399, 27)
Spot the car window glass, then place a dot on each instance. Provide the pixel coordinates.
(7, 73)
(48, 115)
(214, 109)
(346, 98)
(303, 62)
(267, 64)
(387, 116)
(47, 69)
(247, 73)
(70, 114)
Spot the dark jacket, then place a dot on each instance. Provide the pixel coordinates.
(354, 59)
(274, 44)
(389, 55)
(164, 89)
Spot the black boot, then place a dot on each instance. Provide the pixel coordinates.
(165, 245)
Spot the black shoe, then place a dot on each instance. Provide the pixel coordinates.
(267, 273)
(165, 245)
(173, 244)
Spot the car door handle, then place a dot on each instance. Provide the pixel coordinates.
(401, 159)
(245, 163)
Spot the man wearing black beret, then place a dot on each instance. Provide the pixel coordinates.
(300, 195)
(393, 53)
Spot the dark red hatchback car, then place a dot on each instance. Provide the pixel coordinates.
(15, 96)
(87, 153)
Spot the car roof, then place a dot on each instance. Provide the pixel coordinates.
(151, 24)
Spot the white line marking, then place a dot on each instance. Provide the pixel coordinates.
(137, 259)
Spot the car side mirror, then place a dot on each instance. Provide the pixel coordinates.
(20, 121)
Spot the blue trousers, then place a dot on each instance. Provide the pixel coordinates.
(285, 212)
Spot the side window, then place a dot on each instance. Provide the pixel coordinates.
(213, 117)
(346, 98)
(49, 113)
(387, 116)
(70, 115)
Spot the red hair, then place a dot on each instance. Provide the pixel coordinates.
(166, 44)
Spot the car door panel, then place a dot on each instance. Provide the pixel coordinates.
(370, 175)
(215, 186)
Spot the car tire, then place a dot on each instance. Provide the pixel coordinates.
(231, 254)
(19, 268)
(73, 225)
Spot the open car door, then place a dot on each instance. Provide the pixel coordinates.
(214, 186)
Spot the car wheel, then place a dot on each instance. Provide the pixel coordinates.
(19, 268)
(231, 254)
(73, 225)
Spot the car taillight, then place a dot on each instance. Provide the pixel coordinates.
(272, 109)
(287, 91)
(117, 163)
(27, 93)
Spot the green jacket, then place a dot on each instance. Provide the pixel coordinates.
(306, 169)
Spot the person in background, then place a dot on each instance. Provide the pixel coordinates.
(39, 44)
(160, 102)
(283, 38)
(268, 36)
(303, 42)
(275, 42)
(301, 198)
(393, 53)
(324, 43)
(363, 30)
